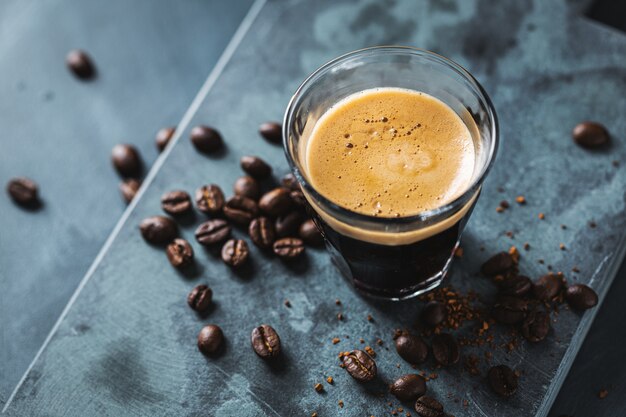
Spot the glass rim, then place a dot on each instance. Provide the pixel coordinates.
(423, 216)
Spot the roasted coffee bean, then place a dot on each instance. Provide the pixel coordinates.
(210, 339)
(129, 188)
(200, 298)
(126, 160)
(206, 139)
(23, 191)
(517, 286)
(176, 202)
(261, 231)
(446, 349)
(408, 387)
(289, 181)
(80, 64)
(255, 167)
(212, 232)
(247, 186)
(547, 287)
(180, 253)
(265, 341)
(289, 224)
(428, 407)
(497, 264)
(276, 202)
(163, 137)
(434, 313)
(411, 348)
(298, 198)
(288, 247)
(502, 380)
(235, 252)
(158, 230)
(509, 310)
(590, 135)
(360, 365)
(581, 297)
(241, 210)
(309, 234)
(210, 199)
(272, 131)
(536, 326)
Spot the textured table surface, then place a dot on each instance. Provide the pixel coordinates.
(126, 347)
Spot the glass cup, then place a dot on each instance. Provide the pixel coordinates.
(391, 258)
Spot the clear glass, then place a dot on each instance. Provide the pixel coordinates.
(391, 258)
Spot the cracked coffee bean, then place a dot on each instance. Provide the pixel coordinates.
(126, 160)
(206, 139)
(210, 339)
(158, 230)
(80, 64)
(446, 349)
(309, 234)
(509, 310)
(200, 298)
(288, 247)
(272, 132)
(23, 191)
(497, 264)
(536, 326)
(434, 313)
(428, 407)
(581, 297)
(408, 387)
(176, 202)
(265, 341)
(517, 286)
(590, 135)
(235, 252)
(247, 186)
(212, 232)
(255, 167)
(502, 380)
(180, 253)
(289, 224)
(547, 287)
(360, 365)
(129, 188)
(241, 210)
(163, 137)
(210, 199)
(261, 231)
(276, 202)
(411, 348)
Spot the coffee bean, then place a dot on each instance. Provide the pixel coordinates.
(590, 135)
(200, 298)
(581, 297)
(210, 339)
(497, 264)
(176, 202)
(288, 247)
(212, 232)
(247, 186)
(298, 198)
(261, 231)
(23, 191)
(163, 137)
(547, 287)
(411, 348)
(180, 253)
(289, 181)
(502, 380)
(509, 310)
(235, 252)
(265, 341)
(129, 188)
(80, 64)
(126, 160)
(272, 131)
(241, 210)
(206, 139)
(255, 167)
(360, 365)
(517, 286)
(210, 199)
(428, 407)
(536, 326)
(408, 387)
(309, 234)
(276, 202)
(446, 349)
(289, 224)
(434, 313)
(158, 230)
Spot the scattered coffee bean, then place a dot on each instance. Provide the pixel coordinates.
(509, 310)
(200, 298)
(126, 160)
(446, 349)
(298, 198)
(271, 131)
(265, 341)
(319, 387)
(206, 139)
(158, 230)
(517, 286)
(547, 287)
(309, 234)
(255, 167)
(80, 64)
(210, 339)
(129, 188)
(235, 252)
(502, 380)
(411, 348)
(180, 253)
(497, 264)
(359, 365)
(290, 182)
(261, 231)
(276, 202)
(581, 297)
(408, 387)
(163, 137)
(210, 199)
(23, 191)
(247, 186)
(434, 313)
(428, 407)
(536, 326)
(288, 247)
(176, 202)
(590, 135)
(212, 232)
(241, 210)
(289, 224)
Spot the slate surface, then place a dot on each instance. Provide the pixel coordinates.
(127, 345)
(60, 132)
